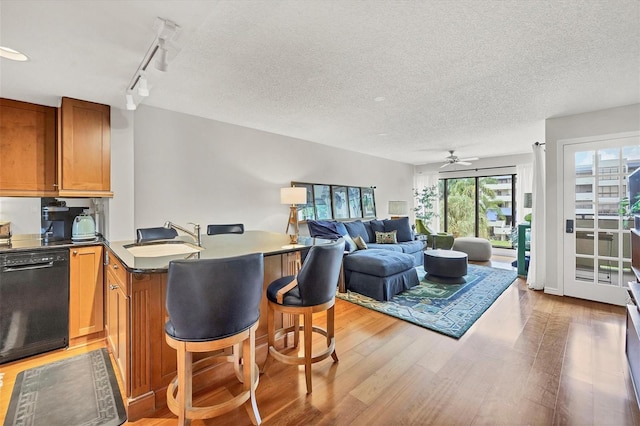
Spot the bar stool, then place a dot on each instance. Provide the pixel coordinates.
(214, 304)
(312, 290)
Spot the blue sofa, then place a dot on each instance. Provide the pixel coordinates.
(378, 270)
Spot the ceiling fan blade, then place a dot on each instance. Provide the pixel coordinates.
(464, 163)
(445, 165)
(469, 159)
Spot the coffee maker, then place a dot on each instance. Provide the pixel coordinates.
(57, 221)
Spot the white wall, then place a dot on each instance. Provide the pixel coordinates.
(191, 169)
(603, 122)
(118, 211)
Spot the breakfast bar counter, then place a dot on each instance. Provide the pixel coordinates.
(135, 290)
(213, 246)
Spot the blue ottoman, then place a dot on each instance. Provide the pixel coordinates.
(379, 274)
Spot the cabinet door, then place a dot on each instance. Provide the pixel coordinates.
(27, 149)
(116, 326)
(86, 313)
(85, 149)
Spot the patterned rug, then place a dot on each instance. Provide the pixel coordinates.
(81, 390)
(449, 309)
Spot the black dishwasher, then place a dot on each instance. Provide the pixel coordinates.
(34, 303)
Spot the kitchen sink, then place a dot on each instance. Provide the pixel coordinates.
(159, 249)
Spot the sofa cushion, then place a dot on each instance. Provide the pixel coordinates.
(411, 246)
(381, 263)
(400, 225)
(386, 237)
(357, 228)
(387, 247)
(376, 225)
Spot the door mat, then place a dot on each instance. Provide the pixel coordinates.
(449, 309)
(78, 391)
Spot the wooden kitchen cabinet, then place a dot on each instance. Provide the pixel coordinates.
(27, 149)
(84, 149)
(117, 316)
(86, 294)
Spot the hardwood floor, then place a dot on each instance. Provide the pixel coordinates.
(532, 358)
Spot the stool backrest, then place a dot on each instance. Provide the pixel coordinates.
(318, 277)
(235, 228)
(151, 234)
(208, 299)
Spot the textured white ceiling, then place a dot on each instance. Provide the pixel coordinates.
(479, 77)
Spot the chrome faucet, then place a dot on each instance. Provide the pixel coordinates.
(195, 234)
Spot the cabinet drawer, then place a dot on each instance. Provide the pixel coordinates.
(115, 267)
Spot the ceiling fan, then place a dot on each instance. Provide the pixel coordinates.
(453, 159)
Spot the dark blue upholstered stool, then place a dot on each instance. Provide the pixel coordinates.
(445, 266)
(379, 274)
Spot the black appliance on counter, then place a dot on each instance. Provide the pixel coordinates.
(57, 222)
(34, 302)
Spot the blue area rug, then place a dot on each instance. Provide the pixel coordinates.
(449, 309)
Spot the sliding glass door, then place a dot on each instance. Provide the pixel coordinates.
(480, 207)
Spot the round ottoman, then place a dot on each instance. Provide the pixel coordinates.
(478, 249)
(445, 266)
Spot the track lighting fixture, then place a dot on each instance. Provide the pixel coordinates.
(143, 89)
(131, 106)
(158, 52)
(162, 63)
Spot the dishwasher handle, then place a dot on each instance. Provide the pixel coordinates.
(27, 267)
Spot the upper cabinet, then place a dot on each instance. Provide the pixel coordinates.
(51, 152)
(27, 149)
(84, 149)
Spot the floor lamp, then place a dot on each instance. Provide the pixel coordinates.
(293, 196)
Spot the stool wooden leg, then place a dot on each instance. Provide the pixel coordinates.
(296, 330)
(331, 331)
(237, 361)
(249, 370)
(185, 375)
(308, 354)
(271, 334)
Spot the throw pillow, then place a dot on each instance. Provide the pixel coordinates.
(349, 245)
(400, 225)
(386, 237)
(360, 243)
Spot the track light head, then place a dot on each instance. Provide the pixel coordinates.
(162, 62)
(143, 89)
(131, 106)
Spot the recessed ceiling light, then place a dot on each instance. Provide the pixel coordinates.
(379, 99)
(14, 55)
(383, 134)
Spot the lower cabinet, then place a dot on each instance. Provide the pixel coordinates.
(86, 312)
(117, 317)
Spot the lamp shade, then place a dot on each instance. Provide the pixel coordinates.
(293, 195)
(397, 208)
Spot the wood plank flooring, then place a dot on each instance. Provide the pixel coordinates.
(531, 359)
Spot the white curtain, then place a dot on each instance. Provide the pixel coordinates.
(537, 263)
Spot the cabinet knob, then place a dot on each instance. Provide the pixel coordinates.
(113, 286)
(115, 266)
(75, 252)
